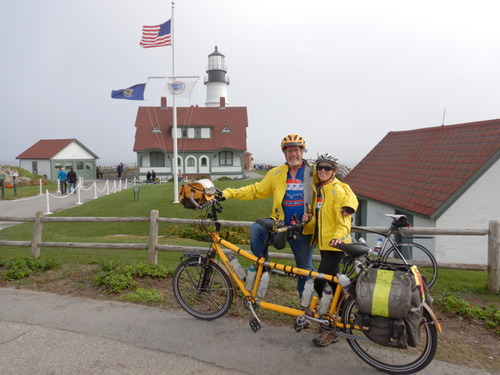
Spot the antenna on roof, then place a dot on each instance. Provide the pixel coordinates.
(444, 114)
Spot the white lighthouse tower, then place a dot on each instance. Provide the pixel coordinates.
(216, 80)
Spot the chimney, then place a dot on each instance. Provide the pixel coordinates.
(222, 103)
(163, 104)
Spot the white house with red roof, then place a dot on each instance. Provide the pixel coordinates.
(48, 156)
(443, 176)
(211, 140)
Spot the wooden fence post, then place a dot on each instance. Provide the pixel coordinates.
(37, 235)
(153, 236)
(494, 257)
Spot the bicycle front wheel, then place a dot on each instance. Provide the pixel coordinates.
(414, 253)
(392, 360)
(204, 291)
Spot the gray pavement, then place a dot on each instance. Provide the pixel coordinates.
(42, 333)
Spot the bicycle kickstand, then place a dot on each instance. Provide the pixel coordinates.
(255, 322)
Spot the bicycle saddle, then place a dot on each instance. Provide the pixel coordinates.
(353, 250)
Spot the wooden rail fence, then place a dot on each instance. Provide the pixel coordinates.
(493, 233)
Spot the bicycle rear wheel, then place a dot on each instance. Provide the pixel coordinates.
(204, 291)
(414, 253)
(392, 360)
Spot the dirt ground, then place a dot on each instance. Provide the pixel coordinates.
(462, 341)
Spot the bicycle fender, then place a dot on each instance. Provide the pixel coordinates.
(433, 316)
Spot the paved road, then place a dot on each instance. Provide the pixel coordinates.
(43, 333)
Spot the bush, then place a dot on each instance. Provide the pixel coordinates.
(21, 267)
(117, 276)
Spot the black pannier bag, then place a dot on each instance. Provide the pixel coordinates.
(389, 298)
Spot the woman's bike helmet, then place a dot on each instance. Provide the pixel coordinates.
(328, 158)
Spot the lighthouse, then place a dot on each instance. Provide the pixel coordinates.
(216, 80)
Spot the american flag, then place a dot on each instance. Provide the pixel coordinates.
(156, 36)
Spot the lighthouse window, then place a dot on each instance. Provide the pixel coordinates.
(197, 132)
(225, 158)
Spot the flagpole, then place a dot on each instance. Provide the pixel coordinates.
(174, 119)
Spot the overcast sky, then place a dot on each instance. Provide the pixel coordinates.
(341, 73)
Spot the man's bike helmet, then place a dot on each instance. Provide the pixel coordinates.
(293, 140)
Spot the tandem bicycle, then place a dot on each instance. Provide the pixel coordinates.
(205, 284)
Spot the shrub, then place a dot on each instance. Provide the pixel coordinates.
(117, 276)
(21, 267)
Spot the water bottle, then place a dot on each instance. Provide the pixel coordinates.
(378, 246)
(264, 282)
(250, 278)
(307, 293)
(240, 271)
(326, 299)
(344, 280)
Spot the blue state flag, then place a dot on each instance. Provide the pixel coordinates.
(135, 92)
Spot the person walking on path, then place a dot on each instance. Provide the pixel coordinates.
(72, 180)
(62, 177)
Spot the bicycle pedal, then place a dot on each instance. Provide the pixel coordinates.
(255, 325)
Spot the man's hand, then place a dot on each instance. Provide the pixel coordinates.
(219, 195)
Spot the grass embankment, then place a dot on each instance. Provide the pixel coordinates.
(125, 274)
(23, 190)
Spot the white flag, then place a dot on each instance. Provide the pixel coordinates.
(182, 87)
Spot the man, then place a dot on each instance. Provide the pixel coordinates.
(72, 179)
(290, 185)
(61, 176)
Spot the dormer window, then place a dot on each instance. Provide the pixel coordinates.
(156, 129)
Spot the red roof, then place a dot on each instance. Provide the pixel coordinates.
(425, 170)
(45, 148)
(218, 119)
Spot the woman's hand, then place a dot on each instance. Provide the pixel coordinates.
(306, 218)
(334, 242)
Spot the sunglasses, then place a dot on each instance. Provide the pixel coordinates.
(327, 168)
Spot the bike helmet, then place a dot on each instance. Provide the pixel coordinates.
(328, 158)
(194, 194)
(293, 140)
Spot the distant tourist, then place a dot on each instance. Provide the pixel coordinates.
(72, 180)
(62, 177)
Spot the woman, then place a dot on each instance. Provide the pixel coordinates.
(334, 202)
